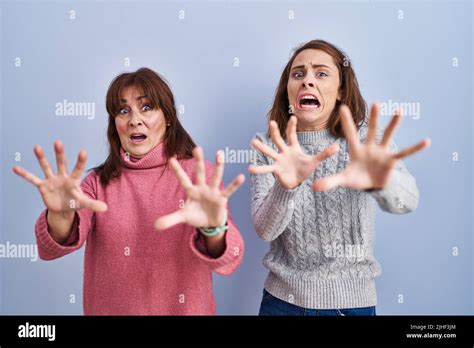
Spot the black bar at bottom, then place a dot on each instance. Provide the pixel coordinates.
(136, 330)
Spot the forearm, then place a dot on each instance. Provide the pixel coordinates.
(59, 225)
(216, 244)
(272, 214)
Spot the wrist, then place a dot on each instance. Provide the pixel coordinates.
(59, 225)
(64, 215)
(214, 231)
(287, 187)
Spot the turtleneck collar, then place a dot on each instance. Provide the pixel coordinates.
(312, 137)
(155, 158)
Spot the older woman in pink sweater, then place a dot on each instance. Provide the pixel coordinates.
(148, 182)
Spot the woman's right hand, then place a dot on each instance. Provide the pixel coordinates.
(61, 193)
(292, 166)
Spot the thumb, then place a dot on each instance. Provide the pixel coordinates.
(170, 220)
(326, 153)
(93, 204)
(329, 182)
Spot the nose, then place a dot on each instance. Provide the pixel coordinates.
(135, 120)
(308, 81)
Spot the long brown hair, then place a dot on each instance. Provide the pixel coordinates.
(348, 90)
(177, 141)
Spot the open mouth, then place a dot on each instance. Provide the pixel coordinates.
(138, 137)
(308, 101)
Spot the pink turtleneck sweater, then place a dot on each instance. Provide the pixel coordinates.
(130, 268)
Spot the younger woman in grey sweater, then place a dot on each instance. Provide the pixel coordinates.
(313, 188)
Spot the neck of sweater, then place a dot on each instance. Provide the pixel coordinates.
(312, 137)
(154, 158)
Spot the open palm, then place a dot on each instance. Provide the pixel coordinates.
(291, 165)
(370, 163)
(61, 192)
(205, 204)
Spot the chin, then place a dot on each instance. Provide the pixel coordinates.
(138, 151)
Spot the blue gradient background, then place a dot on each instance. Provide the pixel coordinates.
(401, 60)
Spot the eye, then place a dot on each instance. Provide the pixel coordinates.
(321, 74)
(123, 111)
(146, 107)
(298, 74)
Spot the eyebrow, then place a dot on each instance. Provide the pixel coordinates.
(314, 66)
(141, 97)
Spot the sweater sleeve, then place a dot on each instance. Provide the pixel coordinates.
(48, 248)
(400, 195)
(272, 205)
(233, 254)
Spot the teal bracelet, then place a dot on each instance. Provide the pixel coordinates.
(214, 231)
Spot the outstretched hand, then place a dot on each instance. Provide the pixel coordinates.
(291, 164)
(206, 204)
(61, 192)
(370, 163)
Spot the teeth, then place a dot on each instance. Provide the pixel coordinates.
(309, 97)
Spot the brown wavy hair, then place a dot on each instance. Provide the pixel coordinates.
(348, 90)
(177, 142)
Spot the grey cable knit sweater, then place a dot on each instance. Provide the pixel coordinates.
(321, 251)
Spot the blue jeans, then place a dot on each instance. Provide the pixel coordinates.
(272, 305)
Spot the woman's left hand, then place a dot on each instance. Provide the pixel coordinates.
(370, 163)
(206, 204)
